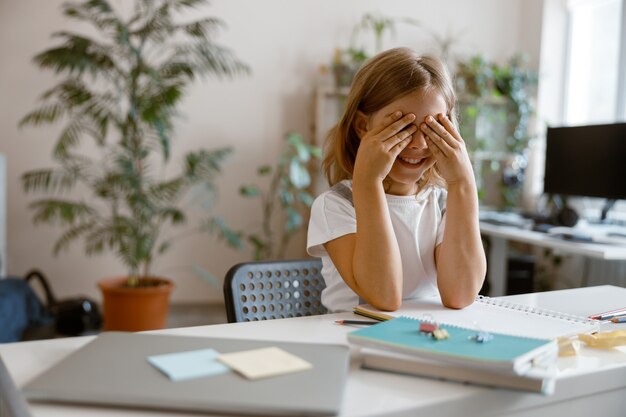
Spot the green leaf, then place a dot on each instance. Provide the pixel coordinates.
(294, 220)
(231, 237)
(249, 191)
(306, 198)
(48, 180)
(297, 142)
(70, 235)
(62, 211)
(207, 277)
(48, 113)
(264, 170)
(286, 198)
(299, 175)
(164, 247)
(77, 55)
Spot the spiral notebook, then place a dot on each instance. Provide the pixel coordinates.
(504, 353)
(494, 315)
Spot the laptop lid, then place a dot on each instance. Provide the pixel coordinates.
(113, 370)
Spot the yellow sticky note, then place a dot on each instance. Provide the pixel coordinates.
(606, 340)
(264, 362)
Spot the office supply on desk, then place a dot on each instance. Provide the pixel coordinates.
(180, 366)
(605, 340)
(535, 380)
(496, 316)
(264, 362)
(112, 370)
(356, 322)
(621, 319)
(608, 314)
(505, 353)
(372, 314)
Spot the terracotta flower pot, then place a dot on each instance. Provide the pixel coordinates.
(135, 309)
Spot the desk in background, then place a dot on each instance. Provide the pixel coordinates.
(592, 383)
(500, 234)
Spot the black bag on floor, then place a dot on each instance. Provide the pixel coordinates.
(72, 316)
(23, 316)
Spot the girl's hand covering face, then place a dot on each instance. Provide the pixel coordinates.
(449, 149)
(381, 145)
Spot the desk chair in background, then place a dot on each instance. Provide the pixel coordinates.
(270, 290)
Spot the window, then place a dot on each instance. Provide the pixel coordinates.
(595, 81)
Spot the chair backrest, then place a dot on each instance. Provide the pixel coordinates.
(274, 289)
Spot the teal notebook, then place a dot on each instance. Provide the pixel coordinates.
(503, 353)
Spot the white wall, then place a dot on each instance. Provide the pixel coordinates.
(284, 42)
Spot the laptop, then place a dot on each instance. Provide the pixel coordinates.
(112, 370)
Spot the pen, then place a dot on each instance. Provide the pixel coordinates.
(361, 322)
(609, 314)
(621, 319)
(613, 316)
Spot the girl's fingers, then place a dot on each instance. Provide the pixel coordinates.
(438, 144)
(447, 123)
(440, 131)
(397, 126)
(402, 136)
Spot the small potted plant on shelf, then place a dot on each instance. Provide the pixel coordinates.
(286, 195)
(120, 92)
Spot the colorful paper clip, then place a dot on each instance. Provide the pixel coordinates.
(482, 337)
(440, 334)
(428, 327)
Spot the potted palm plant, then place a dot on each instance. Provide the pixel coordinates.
(120, 90)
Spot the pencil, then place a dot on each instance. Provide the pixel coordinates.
(360, 322)
(621, 319)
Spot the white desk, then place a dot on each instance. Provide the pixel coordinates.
(593, 383)
(499, 237)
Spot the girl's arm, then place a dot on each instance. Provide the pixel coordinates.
(369, 260)
(460, 259)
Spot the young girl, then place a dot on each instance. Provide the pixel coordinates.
(388, 230)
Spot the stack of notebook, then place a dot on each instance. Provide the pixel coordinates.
(520, 353)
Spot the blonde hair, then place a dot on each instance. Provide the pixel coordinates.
(388, 76)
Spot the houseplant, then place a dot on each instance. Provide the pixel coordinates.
(120, 92)
(286, 195)
(495, 108)
(372, 27)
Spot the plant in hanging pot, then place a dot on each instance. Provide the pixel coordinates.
(118, 97)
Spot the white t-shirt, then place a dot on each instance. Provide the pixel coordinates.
(418, 223)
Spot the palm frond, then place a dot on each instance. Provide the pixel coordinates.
(185, 4)
(70, 235)
(217, 225)
(174, 215)
(61, 211)
(48, 180)
(202, 29)
(98, 12)
(47, 113)
(211, 59)
(77, 55)
(157, 27)
(166, 191)
(203, 164)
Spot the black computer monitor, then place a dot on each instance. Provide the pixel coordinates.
(586, 161)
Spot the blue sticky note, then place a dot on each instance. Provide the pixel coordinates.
(191, 364)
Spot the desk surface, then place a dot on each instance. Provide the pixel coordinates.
(591, 249)
(593, 380)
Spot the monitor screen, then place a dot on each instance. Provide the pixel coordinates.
(586, 161)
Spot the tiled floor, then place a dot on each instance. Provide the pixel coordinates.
(186, 315)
